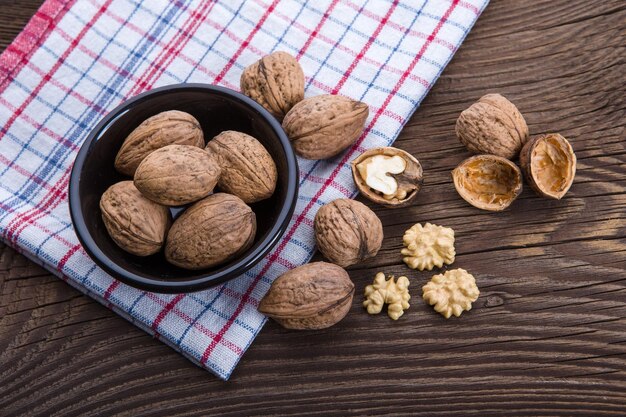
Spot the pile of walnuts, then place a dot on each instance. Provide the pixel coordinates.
(171, 166)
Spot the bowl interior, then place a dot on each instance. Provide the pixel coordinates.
(217, 110)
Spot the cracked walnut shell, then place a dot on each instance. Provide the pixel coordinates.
(393, 293)
(212, 231)
(451, 293)
(276, 82)
(135, 224)
(428, 246)
(492, 125)
(167, 128)
(488, 182)
(347, 232)
(248, 170)
(388, 176)
(321, 127)
(312, 296)
(175, 175)
(549, 165)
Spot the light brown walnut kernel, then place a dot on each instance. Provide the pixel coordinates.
(393, 293)
(488, 182)
(451, 293)
(428, 246)
(549, 165)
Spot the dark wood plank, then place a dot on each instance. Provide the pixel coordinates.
(546, 337)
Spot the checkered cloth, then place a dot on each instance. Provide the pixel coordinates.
(78, 59)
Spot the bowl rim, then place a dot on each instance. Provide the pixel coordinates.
(238, 267)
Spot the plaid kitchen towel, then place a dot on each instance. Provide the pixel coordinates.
(78, 59)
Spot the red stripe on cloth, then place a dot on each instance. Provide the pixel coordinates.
(111, 288)
(365, 48)
(67, 257)
(159, 318)
(54, 69)
(275, 254)
(173, 47)
(317, 29)
(34, 34)
(245, 43)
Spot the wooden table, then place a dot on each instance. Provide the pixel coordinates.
(546, 337)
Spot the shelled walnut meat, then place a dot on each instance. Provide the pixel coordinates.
(347, 232)
(177, 174)
(276, 82)
(171, 127)
(428, 246)
(321, 127)
(248, 170)
(451, 293)
(135, 224)
(488, 182)
(492, 125)
(312, 296)
(210, 232)
(388, 176)
(549, 165)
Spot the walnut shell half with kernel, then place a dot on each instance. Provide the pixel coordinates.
(276, 82)
(347, 232)
(321, 127)
(549, 165)
(492, 125)
(312, 296)
(248, 170)
(488, 182)
(388, 176)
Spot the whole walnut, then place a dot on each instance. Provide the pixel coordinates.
(135, 224)
(321, 127)
(347, 232)
(166, 128)
(312, 296)
(210, 232)
(492, 125)
(177, 174)
(276, 82)
(248, 170)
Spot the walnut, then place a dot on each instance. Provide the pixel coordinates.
(135, 223)
(347, 232)
(381, 292)
(452, 292)
(549, 165)
(388, 176)
(488, 182)
(212, 231)
(248, 170)
(312, 296)
(175, 175)
(493, 125)
(321, 127)
(276, 82)
(166, 128)
(428, 246)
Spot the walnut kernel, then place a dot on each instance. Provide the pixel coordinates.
(393, 293)
(428, 246)
(452, 292)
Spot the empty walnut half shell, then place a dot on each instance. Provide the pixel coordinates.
(549, 165)
(388, 176)
(488, 182)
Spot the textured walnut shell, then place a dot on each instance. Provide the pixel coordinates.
(312, 296)
(320, 127)
(166, 128)
(549, 165)
(212, 231)
(488, 182)
(248, 170)
(347, 232)
(135, 223)
(409, 181)
(177, 174)
(276, 82)
(492, 125)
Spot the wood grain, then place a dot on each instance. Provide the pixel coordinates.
(547, 336)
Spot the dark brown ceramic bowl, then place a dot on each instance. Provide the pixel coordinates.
(217, 109)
